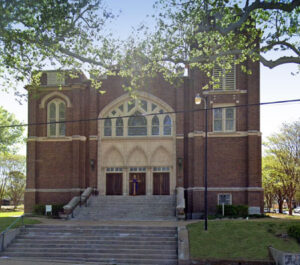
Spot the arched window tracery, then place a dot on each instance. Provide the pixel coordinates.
(137, 125)
(131, 118)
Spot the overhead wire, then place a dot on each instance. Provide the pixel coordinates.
(153, 114)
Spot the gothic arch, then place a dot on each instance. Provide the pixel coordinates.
(113, 157)
(140, 95)
(137, 157)
(161, 156)
(55, 94)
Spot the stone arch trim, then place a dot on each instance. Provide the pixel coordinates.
(164, 150)
(137, 149)
(142, 95)
(112, 149)
(55, 94)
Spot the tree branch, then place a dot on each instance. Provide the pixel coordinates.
(284, 43)
(287, 7)
(282, 60)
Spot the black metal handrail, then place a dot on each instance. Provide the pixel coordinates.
(2, 235)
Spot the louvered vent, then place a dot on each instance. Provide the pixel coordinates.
(227, 81)
(217, 72)
(54, 79)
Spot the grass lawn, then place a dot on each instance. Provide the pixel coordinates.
(284, 216)
(245, 239)
(6, 218)
(11, 214)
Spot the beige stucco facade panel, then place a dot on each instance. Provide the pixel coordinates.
(138, 152)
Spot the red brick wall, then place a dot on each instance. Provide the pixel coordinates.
(232, 161)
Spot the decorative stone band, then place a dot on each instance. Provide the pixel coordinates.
(93, 138)
(221, 92)
(226, 188)
(224, 134)
(56, 139)
(54, 190)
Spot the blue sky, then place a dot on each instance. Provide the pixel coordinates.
(276, 84)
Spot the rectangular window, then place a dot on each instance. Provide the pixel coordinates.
(226, 80)
(224, 119)
(224, 198)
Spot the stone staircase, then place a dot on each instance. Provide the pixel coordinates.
(101, 244)
(129, 208)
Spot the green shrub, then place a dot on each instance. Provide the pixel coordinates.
(258, 216)
(56, 208)
(233, 210)
(40, 209)
(294, 231)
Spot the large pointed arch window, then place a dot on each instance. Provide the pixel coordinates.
(167, 125)
(137, 125)
(56, 115)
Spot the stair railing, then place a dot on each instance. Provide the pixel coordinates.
(180, 203)
(75, 202)
(4, 233)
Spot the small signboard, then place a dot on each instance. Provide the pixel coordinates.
(48, 209)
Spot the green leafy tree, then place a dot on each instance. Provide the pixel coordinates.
(10, 132)
(202, 34)
(62, 33)
(284, 147)
(9, 163)
(199, 33)
(271, 181)
(16, 187)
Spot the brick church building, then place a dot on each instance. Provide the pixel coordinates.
(84, 139)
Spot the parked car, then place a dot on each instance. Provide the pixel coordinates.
(297, 209)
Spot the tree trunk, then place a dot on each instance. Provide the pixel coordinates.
(290, 206)
(280, 204)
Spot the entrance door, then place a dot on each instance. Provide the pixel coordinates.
(113, 183)
(161, 183)
(137, 184)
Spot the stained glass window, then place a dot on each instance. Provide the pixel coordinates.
(155, 125)
(167, 125)
(107, 127)
(119, 127)
(137, 125)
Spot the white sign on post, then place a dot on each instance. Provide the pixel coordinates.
(48, 209)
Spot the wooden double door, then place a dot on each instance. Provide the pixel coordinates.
(161, 184)
(114, 183)
(137, 184)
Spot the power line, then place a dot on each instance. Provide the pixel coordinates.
(152, 114)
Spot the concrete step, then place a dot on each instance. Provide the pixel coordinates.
(86, 255)
(107, 241)
(100, 244)
(93, 250)
(103, 245)
(109, 229)
(101, 233)
(102, 227)
(107, 261)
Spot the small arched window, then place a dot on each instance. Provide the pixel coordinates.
(137, 125)
(119, 127)
(167, 125)
(56, 115)
(107, 127)
(155, 125)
